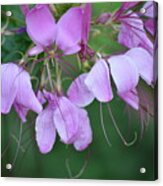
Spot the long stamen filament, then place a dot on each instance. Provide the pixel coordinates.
(103, 126)
(128, 144)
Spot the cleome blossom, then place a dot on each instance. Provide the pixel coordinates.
(17, 90)
(69, 34)
(125, 70)
(132, 32)
(65, 118)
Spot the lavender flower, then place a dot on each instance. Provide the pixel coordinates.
(17, 91)
(69, 121)
(125, 70)
(71, 30)
(132, 33)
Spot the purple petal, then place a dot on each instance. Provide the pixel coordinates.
(25, 95)
(41, 25)
(150, 26)
(132, 33)
(149, 7)
(84, 137)
(124, 73)
(41, 97)
(66, 120)
(45, 130)
(69, 29)
(9, 86)
(131, 98)
(144, 62)
(35, 50)
(86, 22)
(72, 50)
(98, 81)
(78, 92)
(128, 5)
(22, 111)
(25, 9)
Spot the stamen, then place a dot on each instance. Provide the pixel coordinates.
(81, 171)
(128, 144)
(103, 126)
(18, 145)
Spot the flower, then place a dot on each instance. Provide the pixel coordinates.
(65, 118)
(41, 28)
(132, 33)
(17, 91)
(151, 14)
(125, 70)
(69, 32)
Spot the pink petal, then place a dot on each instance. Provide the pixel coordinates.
(41, 97)
(149, 7)
(22, 111)
(45, 130)
(9, 86)
(150, 26)
(132, 33)
(25, 9)
(35, 50)
(124, 73)
(69, 29)
(128, 5)
(78, 92)
(98, 81)
(41, 25)
(86, 22)
(144, 62)
(84, 137)
(25, 94)
(72, 50)
(66, 120)
(131, 98)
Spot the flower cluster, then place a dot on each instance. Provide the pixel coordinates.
(64, 113)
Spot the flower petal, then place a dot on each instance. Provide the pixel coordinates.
(98, 81)
(35, 50)
(124, 73)
(22, 111)
(41, 25)
(128, 5)
(150, 26)
(25, 9)
(41, 97)
(84, 137)
(25, 95)
(78, 92)
(132, 33)
(69, 29)
(86, 22)
(144, 62)
(131, 98)
(45, 130)
(8, 86)
(149, 7)
(66, 120)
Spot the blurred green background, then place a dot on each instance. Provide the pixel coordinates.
(99, 161)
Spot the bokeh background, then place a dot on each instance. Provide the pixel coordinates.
(99, 161)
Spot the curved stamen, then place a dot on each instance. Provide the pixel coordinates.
(103, 126)
(81, 171)
(128, 144)
(18, 145)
